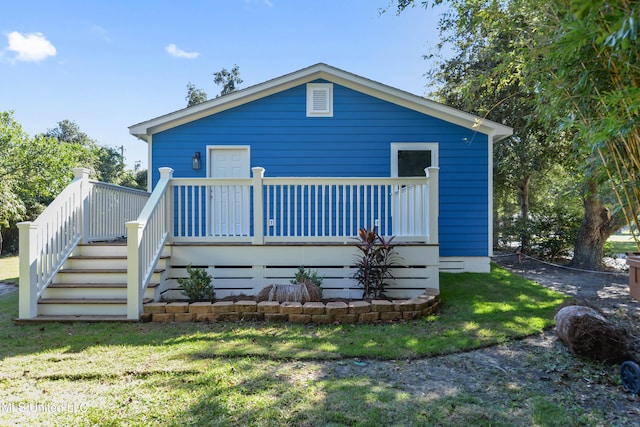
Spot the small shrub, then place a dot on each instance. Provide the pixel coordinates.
(374, 264)
(304, 276)
(197, 287)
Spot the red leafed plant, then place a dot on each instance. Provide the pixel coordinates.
(377, 257)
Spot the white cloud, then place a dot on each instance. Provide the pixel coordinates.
(174, 51)
(30, 47)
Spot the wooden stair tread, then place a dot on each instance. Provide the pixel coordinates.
(87, 257)
(74, 318)
(100, 270)
(82, 301)
(109, 257)
(88, 300)
(96, 285)
(105, 243)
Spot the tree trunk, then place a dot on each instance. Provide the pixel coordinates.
(597, 225)
(588, 333)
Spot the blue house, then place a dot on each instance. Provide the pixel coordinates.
(254, 184)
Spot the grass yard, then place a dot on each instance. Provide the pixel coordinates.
(9, 269)
(258, 374)
(621, 244)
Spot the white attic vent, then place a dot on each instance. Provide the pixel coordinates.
(319, 100)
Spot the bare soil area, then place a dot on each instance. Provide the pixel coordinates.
(502, 380)
(5, 288)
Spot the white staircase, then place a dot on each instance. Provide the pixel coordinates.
(92, 285)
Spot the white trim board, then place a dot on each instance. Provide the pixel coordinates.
(144, 129)
(417, 146)
(465, 264)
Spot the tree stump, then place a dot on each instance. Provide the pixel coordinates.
(301, 293)
(587, 333)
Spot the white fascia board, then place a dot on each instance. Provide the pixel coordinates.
(321, 71)
(243, 96)
(420, 104)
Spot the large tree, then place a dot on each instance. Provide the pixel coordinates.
(106, 163)
(33, 170)
(561, 53)
(195, 96)
(229, 80)
(486, 76)
(591, 58)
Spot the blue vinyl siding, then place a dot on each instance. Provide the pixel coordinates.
(355, 142)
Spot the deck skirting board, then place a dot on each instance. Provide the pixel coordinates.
(465, 264)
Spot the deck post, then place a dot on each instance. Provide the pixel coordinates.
(134, 240)
(432, 174)
(85, 191)
(28, 289)
(168, 206)
(258, 206)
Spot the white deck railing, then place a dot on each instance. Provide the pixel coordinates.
(110, 207)
(254, 210)
(82, 212)
(262, 209)
(47, 242)
(146, 238)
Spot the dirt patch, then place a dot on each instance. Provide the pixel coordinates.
(5, 288)
(520, 373)
(608, 291)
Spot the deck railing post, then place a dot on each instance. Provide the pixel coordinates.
(28, 289)
(85, 192)
(258, 206)
(168, 206)
(134, 240)
(432, 174)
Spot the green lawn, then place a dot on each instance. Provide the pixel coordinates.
(621, 244)
(9, 269)
(246, 373)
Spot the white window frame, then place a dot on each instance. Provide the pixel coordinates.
(413, 146)
(313, 87)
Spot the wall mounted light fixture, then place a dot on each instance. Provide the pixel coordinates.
(196, 163)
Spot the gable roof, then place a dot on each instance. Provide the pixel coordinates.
(335, 75)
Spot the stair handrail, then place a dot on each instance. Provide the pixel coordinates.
(47, 242)
(146, 238)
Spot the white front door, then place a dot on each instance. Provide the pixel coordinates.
(229, 203)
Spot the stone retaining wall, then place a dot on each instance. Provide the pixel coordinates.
(310, 312)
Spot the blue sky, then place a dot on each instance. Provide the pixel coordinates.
(109, 64)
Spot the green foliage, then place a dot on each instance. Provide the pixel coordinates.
(592, 65)
(106, 163)
(373, 266)
(197, 287)
(487, 76)
(34, 170)
(229, 80)
(195, 96)
(564, 74)
(307, 276)
(551, 233)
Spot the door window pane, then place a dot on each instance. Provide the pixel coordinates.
(413, 162)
